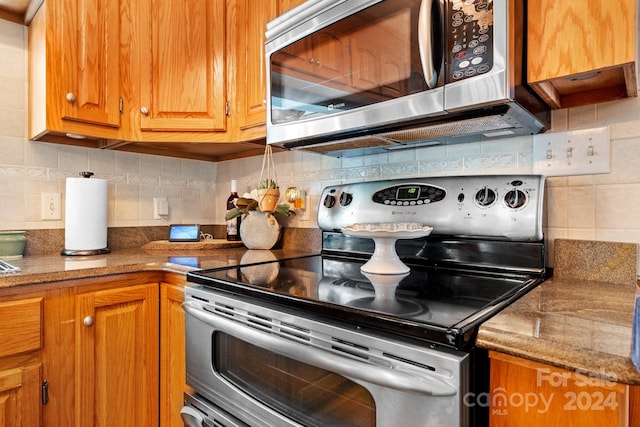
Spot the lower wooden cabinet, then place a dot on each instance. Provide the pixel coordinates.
(172, 354)
(20, 396)
(526, 393)
(21, 320)
(115, 356)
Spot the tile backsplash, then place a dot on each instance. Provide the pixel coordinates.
(593, 207)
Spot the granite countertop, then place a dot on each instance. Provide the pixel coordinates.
(40, 269)
(580, 319)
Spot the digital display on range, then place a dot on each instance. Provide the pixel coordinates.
(408, 193)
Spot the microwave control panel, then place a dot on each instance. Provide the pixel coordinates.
(469, 29)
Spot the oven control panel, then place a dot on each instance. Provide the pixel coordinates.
(494, 206)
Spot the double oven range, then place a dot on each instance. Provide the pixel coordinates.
(331, 340)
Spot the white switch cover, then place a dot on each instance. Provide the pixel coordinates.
(576, 152)
(50, 206)
(160, 207)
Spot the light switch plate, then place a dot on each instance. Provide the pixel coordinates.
(577, 152)
(160, 207)
(50, 206)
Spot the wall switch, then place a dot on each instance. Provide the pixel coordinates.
(578, 152)
(50, 206)
(160, 207)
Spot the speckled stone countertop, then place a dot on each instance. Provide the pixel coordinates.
(43, 263)
(40, 269)
(579, 319)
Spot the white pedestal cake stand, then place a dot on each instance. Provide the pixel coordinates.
(385, 259)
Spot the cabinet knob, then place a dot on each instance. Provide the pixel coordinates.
(144, 110)
(71, 97)
(88, 321)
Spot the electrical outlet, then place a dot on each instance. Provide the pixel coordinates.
(160, 207)
(578, 152)
(50, 206)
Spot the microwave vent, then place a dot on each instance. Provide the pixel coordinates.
(463, 127)
(363, 142)
(499, 121)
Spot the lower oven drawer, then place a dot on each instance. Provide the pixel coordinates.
(268, 367)
(199, 412)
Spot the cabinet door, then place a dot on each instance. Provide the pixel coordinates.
(581, 52)
(182, 72)
(20, 396)
(172, 354)
(21, 335)
(251, 25)
(533, 394)
(91, 61)
(117, 357)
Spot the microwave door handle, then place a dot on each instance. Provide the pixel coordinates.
(425, 43)
(411, 382)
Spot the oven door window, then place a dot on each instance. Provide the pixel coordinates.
(309, 395)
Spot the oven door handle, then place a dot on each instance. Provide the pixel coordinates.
(397, 379)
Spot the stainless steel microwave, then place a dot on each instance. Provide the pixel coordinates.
(361, 76)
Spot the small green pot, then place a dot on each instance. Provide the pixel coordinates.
(12, 243)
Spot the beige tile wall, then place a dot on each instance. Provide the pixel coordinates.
(601, 207)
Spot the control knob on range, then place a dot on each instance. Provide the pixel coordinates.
(346, 199)
(191, 417)
(485, 196)
(329, 201)
(515, 199)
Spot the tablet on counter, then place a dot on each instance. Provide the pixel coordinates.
(184, 233)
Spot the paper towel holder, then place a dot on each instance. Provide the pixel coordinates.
(85, 252)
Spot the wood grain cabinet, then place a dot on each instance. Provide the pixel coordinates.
(21, 335)
(182, 65)
(172, 350)
(581, 52)
(115, 352)
(251, 67)
(74, 70)
(527, 393)
(117, 357)
(101, 351)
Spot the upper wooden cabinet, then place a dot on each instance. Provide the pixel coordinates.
(581, 52)
(91, 62)
(182, 65)
(74, 65)
(251, 69)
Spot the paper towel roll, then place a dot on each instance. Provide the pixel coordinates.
(86, 216)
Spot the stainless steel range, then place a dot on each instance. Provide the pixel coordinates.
(378, 329)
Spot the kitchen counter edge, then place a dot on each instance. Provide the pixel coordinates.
(578, 325)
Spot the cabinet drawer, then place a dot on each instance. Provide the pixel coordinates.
(20, 326)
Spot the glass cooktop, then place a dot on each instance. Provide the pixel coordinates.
(428, 303)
